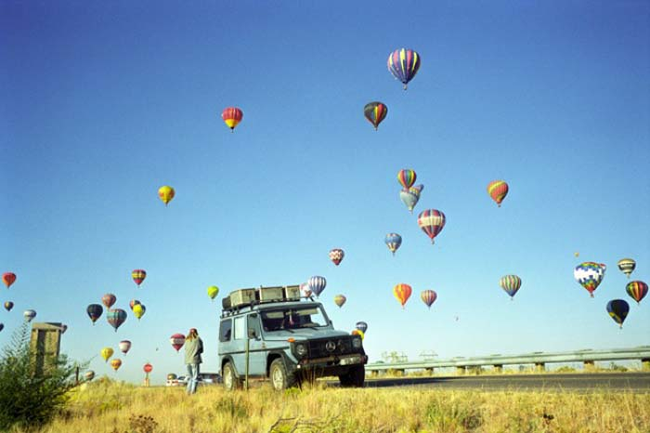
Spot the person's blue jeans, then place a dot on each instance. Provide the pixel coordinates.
(192, 377)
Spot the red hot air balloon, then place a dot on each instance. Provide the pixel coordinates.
(431, 221)
(108, 300)
(138, 276)
(637, 290)
(336, 255)
(232, 116)
(177, 341)
(402, 293)
(8, 278)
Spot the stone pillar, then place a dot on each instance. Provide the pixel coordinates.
(498, 368)
(540, 367)
(590, 365)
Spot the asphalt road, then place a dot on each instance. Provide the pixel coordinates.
(637, 382)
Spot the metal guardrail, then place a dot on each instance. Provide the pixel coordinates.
(588, 356)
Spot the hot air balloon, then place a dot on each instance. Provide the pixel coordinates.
(89, 375)
(106, 353)
(8, 278)
(213, 291)
(393, 242)
(125, 346)
(627, 266)
(498, 189)
(510, 283)
(139, 310)
(428, 297)
(375, 112)
(9, 305)
(2, 326)
(317, 285)
(618, 309)
(138, 276)
(29, 315)
(589, 275)
(304, 289)
(115, 364)
(116, 317)
(133, 303)
(431, 221)
(404, 64)
(336, 255)
(340, 300)
(177, 341)
(406, 178)
(637, 290)
(166, 193)
(148, 368)
(64, 328)
(172, 376)
(402, 293)
(358, 332)
(411, 196)
(362, 326)
(94, 312)
(232, 116)
(108, 300)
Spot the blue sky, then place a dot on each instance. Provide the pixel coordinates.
(101, 104)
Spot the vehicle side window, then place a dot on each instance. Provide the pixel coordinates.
(240, 328)
(254, 324)
(225, 330)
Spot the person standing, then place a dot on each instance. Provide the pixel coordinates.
(193, 351)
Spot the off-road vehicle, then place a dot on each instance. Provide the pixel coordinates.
(273, 333)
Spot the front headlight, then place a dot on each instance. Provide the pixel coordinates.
(356, 342)
(301, 349)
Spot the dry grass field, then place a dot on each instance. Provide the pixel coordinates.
(118, 408)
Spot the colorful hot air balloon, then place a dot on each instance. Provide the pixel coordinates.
(9, 305)
(8, 278)
(116, 317)
(411, 196)
(177, 341)
(317, 285)
(393, 242)
(404, 64)
(362, 326)
(125, 346)
(232, 116)
(336, 255)
(402, 293)
(133, 303)
(89, 375)
(139, 310)
(406, 178)
(498, 189)
(590, 275)
(106, 353)
(138, 276)
(213, 291)
(618, 309)
(637, 290)
(108, 300)
(627, 266)
(358, 332)
(166, 193)
(94, 312)
(304, 290)
(431, 221)
(510, 283)
(115, 364)
(340, 300)
(428, 297)
(375, 112)
(29, 315)
(148, 368)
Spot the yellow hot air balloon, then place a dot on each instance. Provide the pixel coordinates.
(139, 310)
(106, 353)
(116, 363)
(213, 291)
(166, 194)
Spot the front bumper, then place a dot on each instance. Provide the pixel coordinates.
(334, 365)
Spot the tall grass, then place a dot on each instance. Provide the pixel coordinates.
(119, 408)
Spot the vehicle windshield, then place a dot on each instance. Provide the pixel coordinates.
(294, 318)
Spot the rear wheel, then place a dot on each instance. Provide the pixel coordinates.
(230, 380)
(280, 379)
(354, 378)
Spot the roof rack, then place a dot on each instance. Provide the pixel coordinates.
(241, 298)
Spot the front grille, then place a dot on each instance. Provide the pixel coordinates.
(340, 345)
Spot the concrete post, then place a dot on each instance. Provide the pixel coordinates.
(498, 368)
(645, 364)
(540, 367)
(429, 371)
(460, 371)
(590, 365)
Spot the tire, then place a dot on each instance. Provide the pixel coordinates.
(280, 379)
(354, 378)
(230, 380)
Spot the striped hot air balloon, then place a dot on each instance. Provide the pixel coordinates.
(317, 284)
(618, 310)
(637, 290)
(590, 275)
(362, 326)
(627, 266)
(138, 276)
(406, 177)
(404, 64)
(428, 297)
(232, 116)
(498, 190)
(109, 300)
(511, 284)
(94, 311)
(375, 112)
(336, 255)
(431, 221)
(177, 341)
(116, 317)
(393, 242)
(402, 293)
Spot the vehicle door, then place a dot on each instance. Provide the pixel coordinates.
(239, 336)
(257, 349)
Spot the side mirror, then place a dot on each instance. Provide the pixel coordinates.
(252, 334)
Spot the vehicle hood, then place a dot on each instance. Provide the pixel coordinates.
(304, 334)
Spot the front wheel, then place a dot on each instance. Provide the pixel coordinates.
(279, 377)
(354, 378)
(230, 380)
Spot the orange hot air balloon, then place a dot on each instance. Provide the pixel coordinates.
(402, 293)
(116, 364)
(166, 194)
(8, 278)
(498, 190)
(232, 116)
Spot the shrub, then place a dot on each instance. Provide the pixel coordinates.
(29, 397)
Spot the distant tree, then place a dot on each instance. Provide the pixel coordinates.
(28, 399)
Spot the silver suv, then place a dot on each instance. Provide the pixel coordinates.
(271, 333)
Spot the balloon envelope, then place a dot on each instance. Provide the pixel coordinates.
(116, 363)
(375, 112)
(125, 346)
(2, 326)
(362, 326)
(627, 266)
(304, 290)
(510, 283)
(428, 297)
(232, 116)
(108, 300)
(402, 293)
(637, 290)
(138, 276)
(94, 311)
(317, 284)
(116, 317)
(404, 64)
(8, 278)
(213, 291)
(339, 300)
(133, 303)
(139, 310)
(166, 193)
(431, 221)
(393, 242)
(89, 375)
(336, 255)
(106, 353)
(29, 315)
(177, 341)
(406, 177)
(618, 309)
(590, 275)
(9, 305)
(498, 189)
(410, 197)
